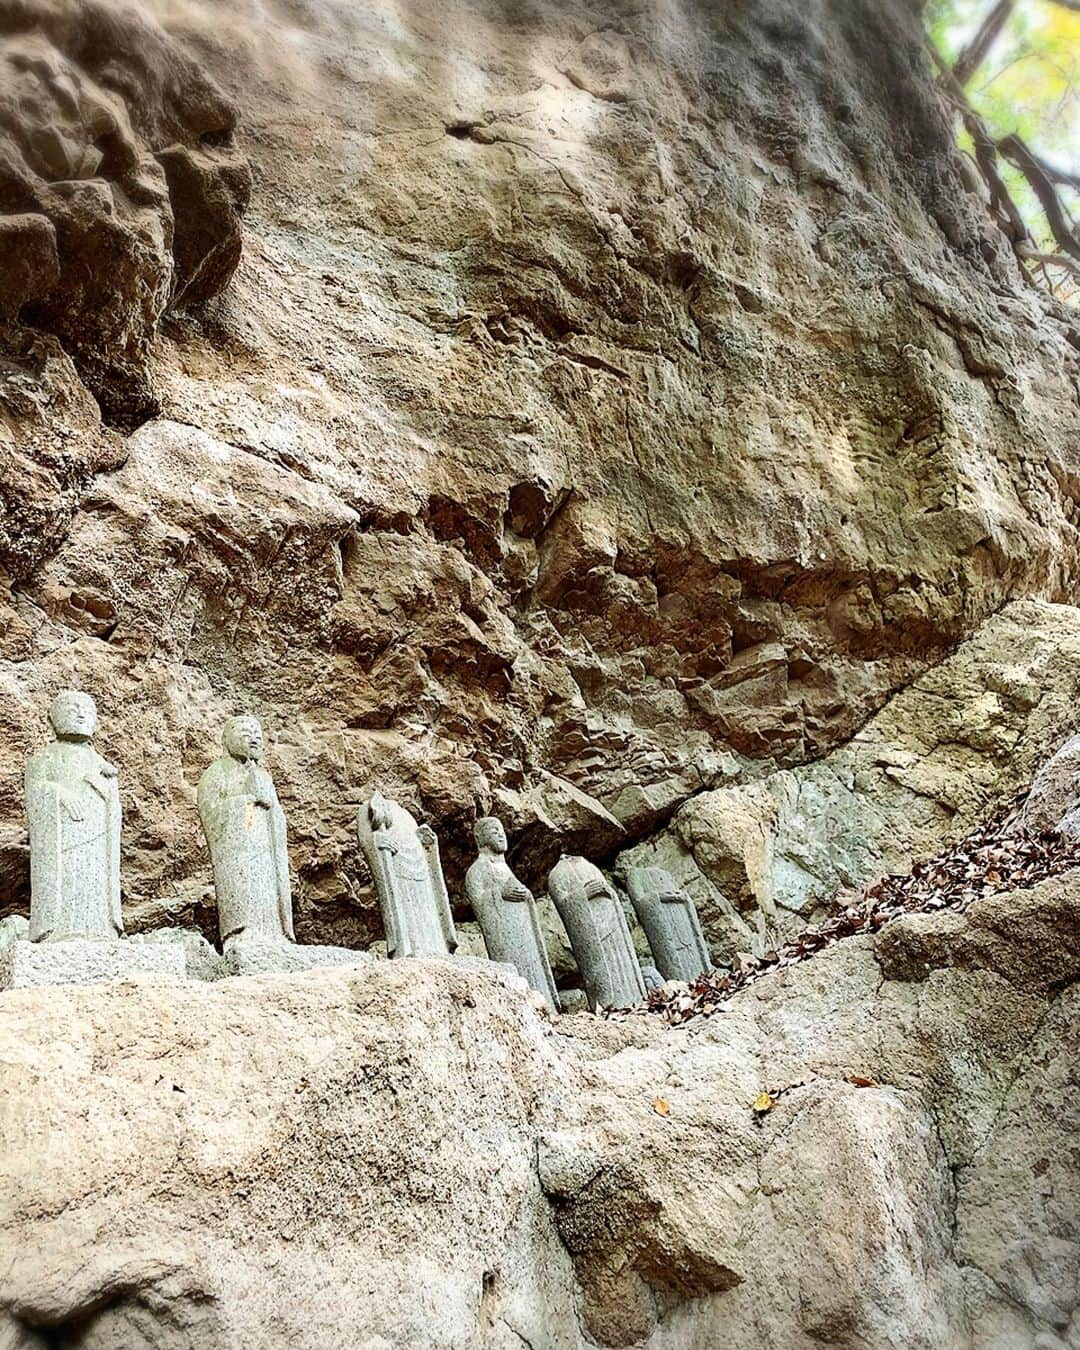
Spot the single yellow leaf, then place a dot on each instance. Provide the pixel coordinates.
(763, 1102)
(661, 1106)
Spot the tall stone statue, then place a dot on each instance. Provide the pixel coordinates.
(245, 830)
(599, 934)
(403, 858)
(671, 923)
(73, 810)
(506, 911)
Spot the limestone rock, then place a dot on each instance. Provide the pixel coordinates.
(764, 858)
(117, 146)
(597, 416)
(412, 1153)
(1054, 800)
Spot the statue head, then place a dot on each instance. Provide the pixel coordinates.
(489, 833)
(380, 811)
(243, 738)
(73, 715)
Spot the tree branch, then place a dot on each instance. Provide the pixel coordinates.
(1016, 152)
(976, 51)
(1049, 260)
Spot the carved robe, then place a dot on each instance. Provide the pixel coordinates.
(245, 830)
(408, 878)
(599, 934)
(506, 913)
(671, 923)
(73, 811)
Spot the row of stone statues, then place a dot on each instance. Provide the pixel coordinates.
(73, 807)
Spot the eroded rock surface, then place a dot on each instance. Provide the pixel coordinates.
(413, 1154)
(119, 190)
(612, 403)
(765, 858)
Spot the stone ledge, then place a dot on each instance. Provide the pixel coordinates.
(25, 965)
(260, 957)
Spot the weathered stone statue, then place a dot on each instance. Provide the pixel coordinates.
(506, 911)
(671, 923)
(599, 934)
(404, 861)
(73, 809)
(245, 830)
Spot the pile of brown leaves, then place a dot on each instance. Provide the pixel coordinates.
(983, 863)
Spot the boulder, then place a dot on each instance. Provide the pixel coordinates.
(414, 1153)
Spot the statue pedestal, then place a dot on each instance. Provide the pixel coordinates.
(261, 956)
(26, 964)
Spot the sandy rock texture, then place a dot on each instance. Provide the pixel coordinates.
(612, 402)
(766, 857)
(414, 1154)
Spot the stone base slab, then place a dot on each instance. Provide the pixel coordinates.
(256, 956)
(24, 965)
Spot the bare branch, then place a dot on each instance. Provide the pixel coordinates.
(1001, 202)
(975, 53)
(1049, 260)
(1016, 152)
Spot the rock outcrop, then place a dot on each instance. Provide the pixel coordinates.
(765, 858)
(611, 404)
(415, 1154)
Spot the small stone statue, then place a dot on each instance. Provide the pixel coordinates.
(599, 934)
(404, 861)
(671, 923)
(245, 830)
(506, 911)
(73, 810)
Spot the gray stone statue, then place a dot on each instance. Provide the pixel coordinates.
(506, 911)
(599, 934)
(403, 858)
(245, 830)
(671, 923)
(73, 809)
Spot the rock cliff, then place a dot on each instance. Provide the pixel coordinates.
(611, 404)
(412, 1154)
(617, 417)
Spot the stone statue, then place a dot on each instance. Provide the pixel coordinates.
(403, 858)
(245, 830)
(671, 923)
(506, 911)
(599, 934)
(73, 809)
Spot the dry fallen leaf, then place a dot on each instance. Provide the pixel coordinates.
(763, 1102)
(662, 1106)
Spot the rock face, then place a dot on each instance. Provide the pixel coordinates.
(766, 857)
(600, 412)
(413, 1154)
(119, 191)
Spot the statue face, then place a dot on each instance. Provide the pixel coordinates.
(489, 833)
(73, 715)
(243, 738)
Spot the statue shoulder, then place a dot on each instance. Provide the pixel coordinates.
(478, 873)
(40, 763)
(215, 775)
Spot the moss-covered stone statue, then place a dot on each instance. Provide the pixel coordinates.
(593, 916)
(670, 920)
(245, 831)
(403, 858)
(73, 811)
(506, 911)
